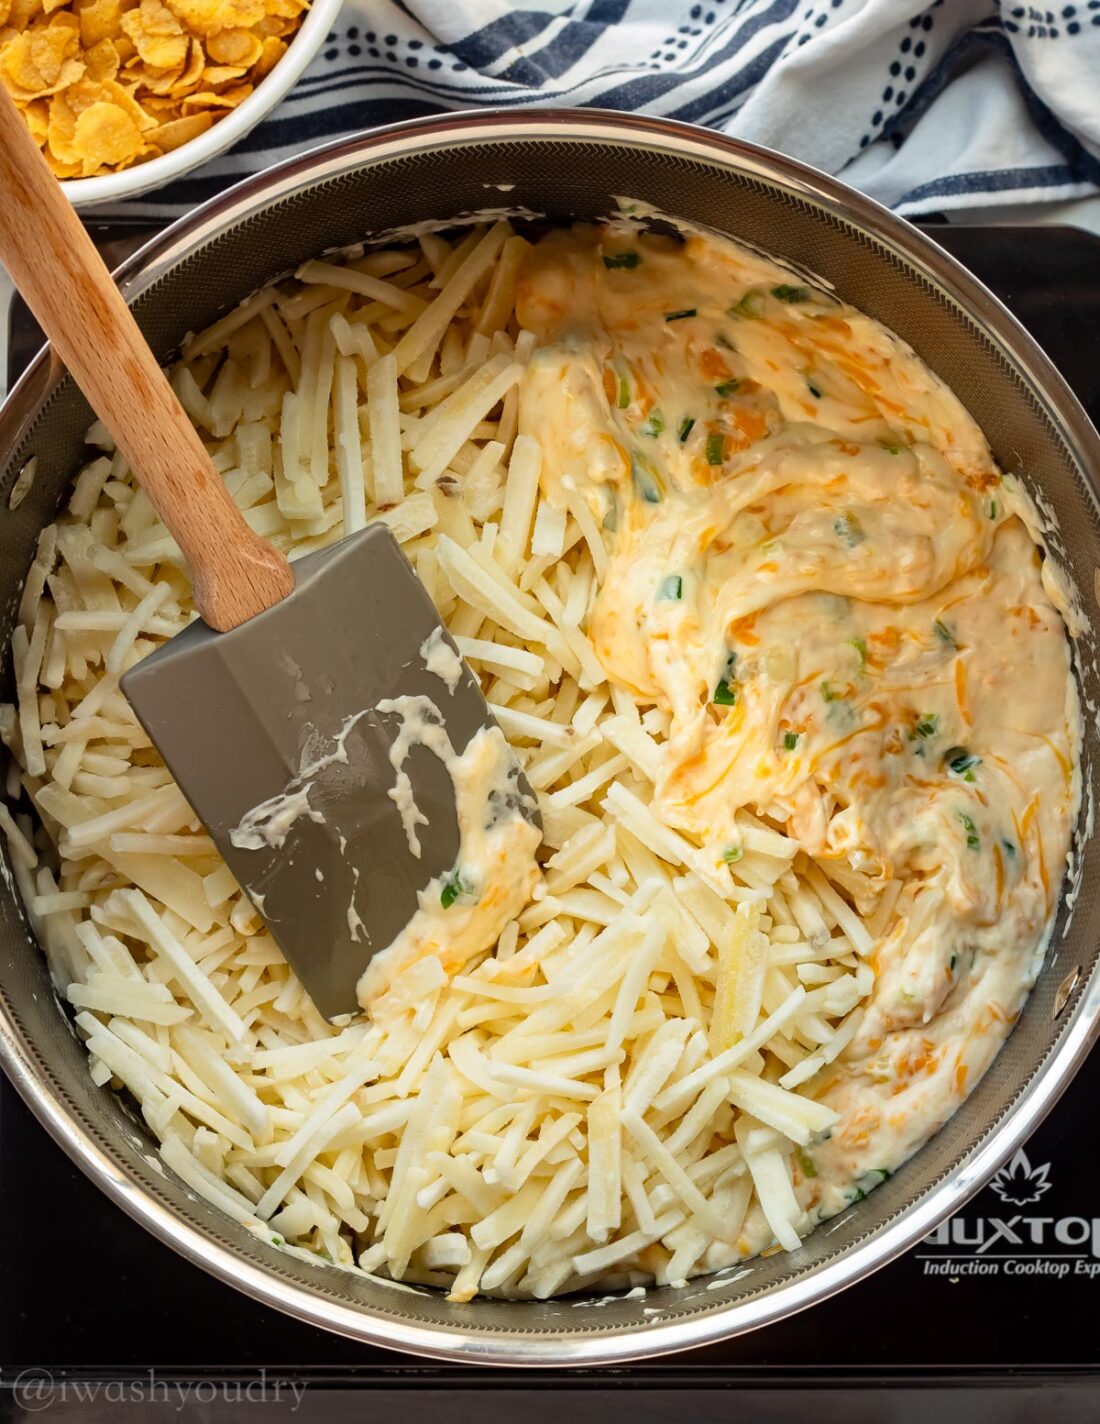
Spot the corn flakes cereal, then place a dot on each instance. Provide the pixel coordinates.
(104, 84)
(177, 132)
(105, 135)
(99, 20)
(217, 76)
(227, 100)
(207, 17)
(102, 61)
(37, 115)
(23, 11)
(41, 62)
(273, 50)
(60, 128)
(158, 36)
(240, 47)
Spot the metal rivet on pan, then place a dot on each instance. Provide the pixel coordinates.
(1065, 990)
(23, 481)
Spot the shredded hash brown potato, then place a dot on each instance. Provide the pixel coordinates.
(627, 1089)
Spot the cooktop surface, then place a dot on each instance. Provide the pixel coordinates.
(993, 1315)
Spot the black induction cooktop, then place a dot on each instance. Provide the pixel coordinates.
(993, 1318)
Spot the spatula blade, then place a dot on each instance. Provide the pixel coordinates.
(236, 716)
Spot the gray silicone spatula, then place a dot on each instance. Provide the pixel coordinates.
(280, 677)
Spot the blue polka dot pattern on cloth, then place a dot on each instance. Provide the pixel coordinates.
(924, 105)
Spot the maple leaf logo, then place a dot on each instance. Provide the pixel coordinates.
(1018, 1183)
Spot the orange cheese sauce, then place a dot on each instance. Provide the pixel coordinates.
(817, 569)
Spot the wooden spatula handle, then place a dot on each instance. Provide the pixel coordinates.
(56, 267)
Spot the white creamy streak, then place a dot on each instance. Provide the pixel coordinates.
(421, 725)
(269, 823)
(441, 659)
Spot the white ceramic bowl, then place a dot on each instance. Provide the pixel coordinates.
(91, 192)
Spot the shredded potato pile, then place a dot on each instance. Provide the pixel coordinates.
(624, 1091)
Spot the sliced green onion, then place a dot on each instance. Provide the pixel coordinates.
(830, 694)
(848, 530)
(807, 1164)
(624, 393)
(813, 390)
(732, 854)
(926, 727)
(671, 588)
(1010, 849)
(972, 839)
(787, 293)
(944, 633)
(645, 482)
(960, 762)
(790, 741)
(621, 259)
(453, 887)
(716, 448)
(727, 388)
(861, 651)
(680, 315)
(685, 428)
(890, 448)
(724, 694)
(752, 304)
(951, 963)
(993, 509)
(655, 425)
(869, 1180)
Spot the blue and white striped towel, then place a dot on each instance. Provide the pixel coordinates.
(924, 106)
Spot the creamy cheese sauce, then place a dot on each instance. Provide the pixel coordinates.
(269, 823)
(441, 659)
(421, 725)
(462, 913)
(816, 568)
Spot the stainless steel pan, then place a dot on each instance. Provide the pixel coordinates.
(568, 165)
